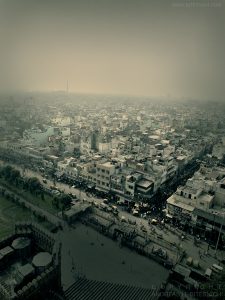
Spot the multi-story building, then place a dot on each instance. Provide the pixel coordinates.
(104, 171)
(201, 201)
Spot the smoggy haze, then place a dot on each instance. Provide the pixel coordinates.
(132, 47)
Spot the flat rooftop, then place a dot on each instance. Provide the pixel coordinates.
(145, 183)
(180, 204)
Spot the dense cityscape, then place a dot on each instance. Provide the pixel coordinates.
(112, 150)
(114, 180)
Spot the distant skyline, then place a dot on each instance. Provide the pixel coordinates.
(134, 47)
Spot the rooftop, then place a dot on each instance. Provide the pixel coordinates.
(21, 242)
(42, 259)
(189, 190)
(180, 204)
(77, 208)
(5, 251)
(182, 270)
(144, 183)
(25, 270)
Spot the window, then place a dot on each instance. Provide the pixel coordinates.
(189, 196)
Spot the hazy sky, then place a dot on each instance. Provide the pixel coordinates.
(136, 47)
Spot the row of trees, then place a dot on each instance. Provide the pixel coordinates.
(33, 185)
(13, 176)
(63, 201)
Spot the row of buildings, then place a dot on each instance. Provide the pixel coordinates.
(201, 202)
(131, 150)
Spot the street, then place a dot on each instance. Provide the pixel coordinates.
(167, 233)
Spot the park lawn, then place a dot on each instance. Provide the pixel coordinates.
(45, 204)
(10, 213)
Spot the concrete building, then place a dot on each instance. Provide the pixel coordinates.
(25, 272)
(104, 171)
(130, 184)
(201, 202)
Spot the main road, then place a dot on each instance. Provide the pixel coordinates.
(168, 234)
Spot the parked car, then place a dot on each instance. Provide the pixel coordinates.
(135, 212)
(154, 222)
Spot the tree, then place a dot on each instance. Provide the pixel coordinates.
(6, 172)
(34, 185)
(65, 200)
(42, 196)
(55, 202)
(11, 174)
(15, 176)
